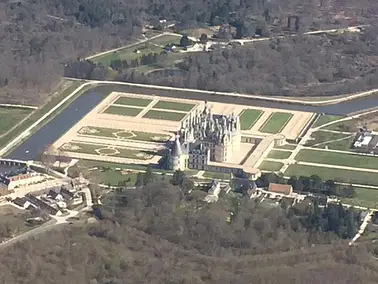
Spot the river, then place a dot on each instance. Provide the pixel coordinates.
(34, 145)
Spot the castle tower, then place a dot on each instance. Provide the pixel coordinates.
(176, 154)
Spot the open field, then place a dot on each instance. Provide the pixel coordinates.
(339, 159)
(276, 122)
(128, 53)
(270, 166)
(62, 91)
(366, 197)
(249, 117)
(286, 147)
(370, 121)
(130, 101)
(107, 151)
(348, 176)
(123, 134)
(173, 106)
(215, 175)
(323, 119)
(164, 115)
(127, 111)
(9, 117)
(325, 139)
(277, 154)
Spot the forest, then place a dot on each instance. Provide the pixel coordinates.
(38, 38)
(159, 234)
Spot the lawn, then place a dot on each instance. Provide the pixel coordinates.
(173, 106)
(132, 101)
(277, 154)
(125, 134)
(346, 126)
(323, 119)
(276, 122)
(166, 39)
(128, 53)
(366, 197)
(61, 92)
(249, 117)
(9, 117)
(126, 111)
(109, 151)
(323, 137)
(339, 159)
(334, 174)
(164, 115)
(286, 147)
(270, 166)
(216, 175)
(113, 177)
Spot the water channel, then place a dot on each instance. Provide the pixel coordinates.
(34, 145)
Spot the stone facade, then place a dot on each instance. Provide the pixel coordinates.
(205, 137)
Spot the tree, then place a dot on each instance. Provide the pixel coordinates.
(48, 157)
(184, 41)
(148, 175)
(178, 177)
(139, 180)
(203, 38)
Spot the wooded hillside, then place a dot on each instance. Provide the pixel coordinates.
(39, 37)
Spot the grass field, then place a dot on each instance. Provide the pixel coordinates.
(132, 101)
(249, 117)
(173, 106)
(366, 197)
(215, 175)
(113, 151)
(9, 117)
(286, 147)
(164, 115)
(334, 174)
(276, 122)
(128, 53)
(126, 134)
(126, 111)
(277, 154)
(339, 159)
(270, 166)
(323, 137)
(323, 119)
(61, 92)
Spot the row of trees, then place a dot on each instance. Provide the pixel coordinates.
(313, 184)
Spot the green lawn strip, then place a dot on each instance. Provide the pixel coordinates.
(132, 101)
(173, 106)
(10, 116)
(128, 53)
(277, 154)
(345, 126)
(323, 119)
(37, 114)
(286, 147)
(348, 176)
(122, 152)
(215, 175)
(270, 166)
(276, 122)
(339, 159)
(113, 177)
(126, 111)
(126, 134)
(367, 197)
(343, 145)
(324, 136)
(164, 115)
(166, 39)
(249, 117)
